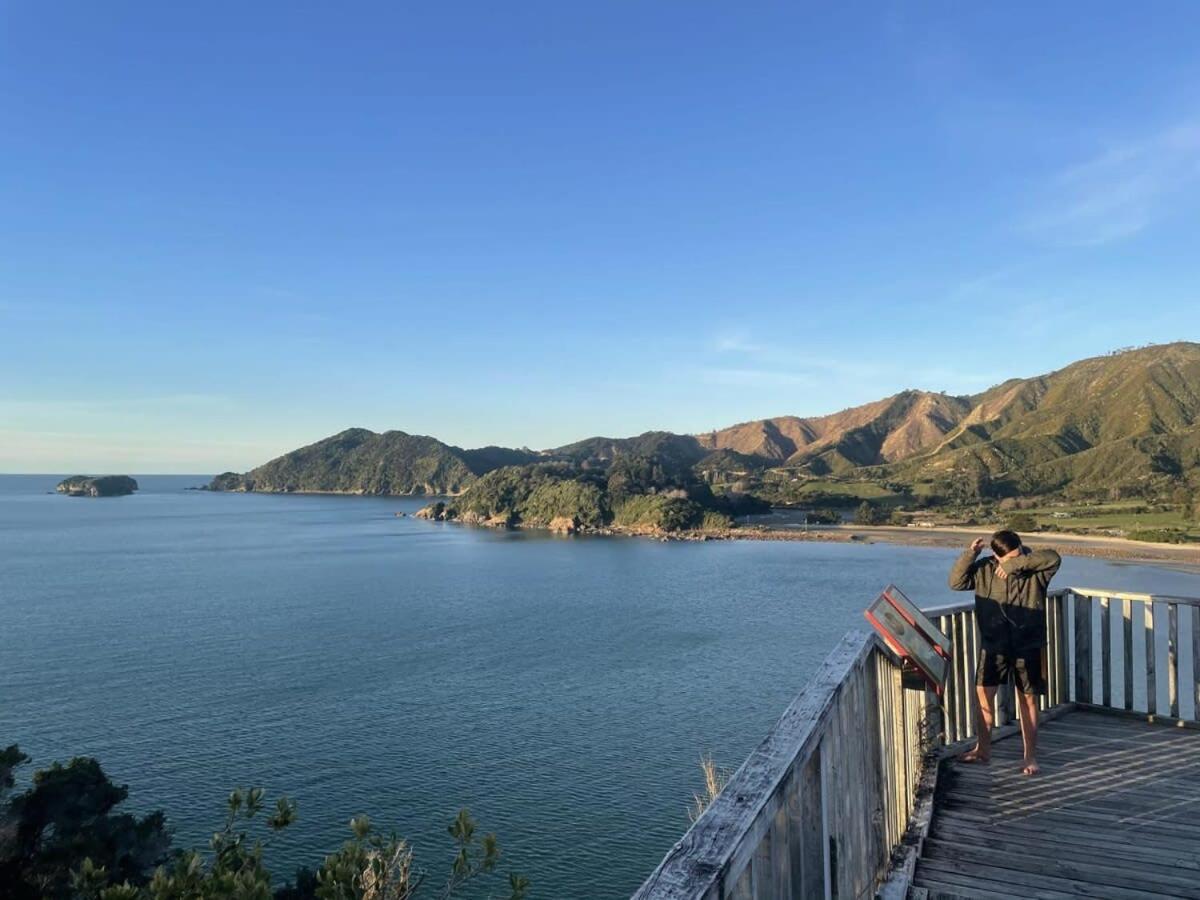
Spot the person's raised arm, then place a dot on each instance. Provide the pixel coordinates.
(962, 573)
(1043, 563)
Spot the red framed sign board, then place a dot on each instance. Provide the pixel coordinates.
(909, 634)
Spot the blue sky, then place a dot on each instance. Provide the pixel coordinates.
(228, 229)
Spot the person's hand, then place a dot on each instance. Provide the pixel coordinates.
(1000, 573)
(977, 544)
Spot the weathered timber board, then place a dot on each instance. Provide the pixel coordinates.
(1114, 813)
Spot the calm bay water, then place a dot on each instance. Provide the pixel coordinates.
(563, 689)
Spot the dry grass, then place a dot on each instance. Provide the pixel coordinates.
(388, 873)
(715, 779)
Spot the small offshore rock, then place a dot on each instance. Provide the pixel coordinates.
(100, 486)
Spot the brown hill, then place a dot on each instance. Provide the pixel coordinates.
(887, 430)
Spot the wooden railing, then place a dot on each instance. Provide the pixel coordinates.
(1104, 648)
(957, 622)
(1136, 652)
(818, 808)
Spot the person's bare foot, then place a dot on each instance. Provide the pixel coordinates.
(975, 756)
(1030, 767)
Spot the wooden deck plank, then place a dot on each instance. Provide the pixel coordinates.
(1033, 884)
(1115, 813)
(1069, 844)
(1088, 869)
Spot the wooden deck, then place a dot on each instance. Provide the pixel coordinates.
(1115, 813)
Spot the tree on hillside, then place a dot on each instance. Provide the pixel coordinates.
(867, 514)
(1021, 521)
(1182, 499)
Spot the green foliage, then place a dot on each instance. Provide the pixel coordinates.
(360, 461)
(582, 501)
(819, 516)
(662, 512)
(631, 475)
(68, 814)
(535, 495)
(61, 839)
(712, 520)
(1021, 522)
(1160, 536)
(637, 492)
(867, 514)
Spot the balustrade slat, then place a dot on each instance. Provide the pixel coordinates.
(1127, 651)
(1051, 672)
(971, 658)
(950, 694)
(1173, 660)
(1151, 653)
(1083, 648)
(1064, 666)
(1196, 661)
(967, 710)
(1105, 654)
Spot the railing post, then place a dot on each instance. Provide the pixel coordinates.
(1151, 654)
(1127, 649)
(1051, 673)
(1195, 613)
(1064, 664)
(1105, 655)
(1083, 648)
(1173, 659)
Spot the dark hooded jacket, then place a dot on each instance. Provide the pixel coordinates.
(1011, 611)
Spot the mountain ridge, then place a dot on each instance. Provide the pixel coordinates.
(1128, 416)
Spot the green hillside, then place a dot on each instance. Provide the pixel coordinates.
(358, 461)
(1122, 425)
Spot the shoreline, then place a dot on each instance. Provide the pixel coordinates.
(1178, 556)
(1095, 546)
(1173, 556)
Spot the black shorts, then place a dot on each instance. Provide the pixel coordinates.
(1026, 667)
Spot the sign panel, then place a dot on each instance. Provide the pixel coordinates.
(910, 635)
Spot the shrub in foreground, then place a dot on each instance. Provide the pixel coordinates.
(63, 838)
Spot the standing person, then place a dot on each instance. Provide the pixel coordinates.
(1010, 613)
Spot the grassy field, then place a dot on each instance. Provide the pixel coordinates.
(1113, 517)
(859, 490)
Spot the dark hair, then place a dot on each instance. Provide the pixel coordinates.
(1005, 541)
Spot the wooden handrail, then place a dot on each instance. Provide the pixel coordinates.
(718, 847)
(818, 806)
(1096, 593)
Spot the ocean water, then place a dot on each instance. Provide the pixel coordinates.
(563, 689)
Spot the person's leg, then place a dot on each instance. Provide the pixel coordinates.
(985, 718)
(1029, 677)
(990, 670)
(1027, 705)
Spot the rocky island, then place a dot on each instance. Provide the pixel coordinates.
(98, 486)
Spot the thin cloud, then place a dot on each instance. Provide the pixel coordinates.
(756, 377)
(736, 342)
(1121, 192)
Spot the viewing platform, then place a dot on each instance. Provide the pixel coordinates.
(856, 792)
(1115, 812)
